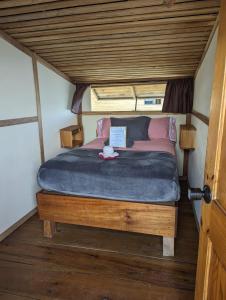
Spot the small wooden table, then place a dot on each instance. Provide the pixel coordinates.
(187, 143)
(71, 136)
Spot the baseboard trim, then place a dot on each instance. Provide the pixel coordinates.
(12, 228)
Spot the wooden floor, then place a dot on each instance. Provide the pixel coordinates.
(84, 263)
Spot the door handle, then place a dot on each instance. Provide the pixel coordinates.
(198, 194)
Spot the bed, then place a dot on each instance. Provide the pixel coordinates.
(136, 192)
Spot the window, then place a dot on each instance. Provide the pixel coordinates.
(151, 101)
(148, 97)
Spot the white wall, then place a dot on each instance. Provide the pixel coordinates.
(204, 79)
(86, 100)
(20, 148)
(17, 92)
(56, 95)
(19, 161)
(202, 97)
(20, 154)
(90, 124)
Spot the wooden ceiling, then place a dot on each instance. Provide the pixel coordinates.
(101, 41)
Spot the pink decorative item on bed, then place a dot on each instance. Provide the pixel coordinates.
(103, 128)
(159, 128)
(163, 128)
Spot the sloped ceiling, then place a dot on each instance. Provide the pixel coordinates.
(101, 41)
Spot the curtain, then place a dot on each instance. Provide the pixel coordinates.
(77, 98)
(179, 96)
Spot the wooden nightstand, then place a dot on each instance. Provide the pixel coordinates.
(187, 137)
(187, 143)
(71, 136)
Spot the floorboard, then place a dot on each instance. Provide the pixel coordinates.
(87, 263)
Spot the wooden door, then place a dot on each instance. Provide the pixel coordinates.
(211, 270)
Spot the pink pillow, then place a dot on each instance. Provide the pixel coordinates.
(103, 127)
(162, 128)
(159, 128)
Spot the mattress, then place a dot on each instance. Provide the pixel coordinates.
(139, 176)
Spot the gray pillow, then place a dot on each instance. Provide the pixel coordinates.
(136, 128)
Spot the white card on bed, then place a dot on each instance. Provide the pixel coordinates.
(117, 136)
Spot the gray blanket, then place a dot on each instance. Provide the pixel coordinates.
(133, 176)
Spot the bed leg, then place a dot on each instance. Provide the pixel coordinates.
(49, 228)
(168, 246)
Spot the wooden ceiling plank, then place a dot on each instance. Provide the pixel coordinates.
(138, 40)
(188, 49)
(18, 3)
(134, 69)
(41, 6)
(161, 23)
(117, 60)
(119, 27)
(115, 8)
(142, 77)
(152, 30)
(137, 84)
(53, 52)
(129, 81)
(135, 72)
(204, 14)
(71, 7)
(58, 38)
(104, 61)
(127, 70)
(121, 80)
(149, 63)
(143, 73)
(158, 42)
(79, 21)
(122, 39)
(126, 65)
(149, 76)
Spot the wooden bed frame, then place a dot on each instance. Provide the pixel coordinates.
(154, 219)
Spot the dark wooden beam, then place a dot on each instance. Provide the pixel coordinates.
(17, 121)
(201, 117)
